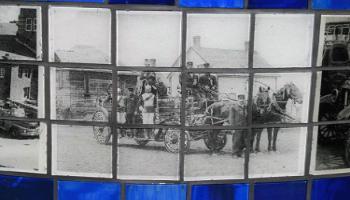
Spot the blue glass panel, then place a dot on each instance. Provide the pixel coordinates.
(156, 2)
(224, 192)
(75, 190)
(24, 188)
(155, 192)
(331, 189)
(331, 4)
(295, 4)
(212, 3)
(284, 190)
(87, 1)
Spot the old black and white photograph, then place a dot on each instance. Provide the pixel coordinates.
(148, 98)
(283, 40)
(77, 151)
(281, 97)
(22, 146)
(151, 154)
(332, 92)
(331, 149)
(216, 99)
(84, 95)
(215, 154)
(22, 91)
(148, 35)
(80, 35)
(217, 41)
(334, 41)
(277, 152)
(20, 33)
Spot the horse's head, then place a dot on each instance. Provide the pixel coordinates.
(262, 101)
(291, 91)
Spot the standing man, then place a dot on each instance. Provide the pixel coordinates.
(131, 106)
(148, 108)
(121, 107)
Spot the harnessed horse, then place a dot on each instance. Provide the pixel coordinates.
(272, 109)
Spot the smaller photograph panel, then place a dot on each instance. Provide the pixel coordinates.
(88, 190)
(281, 97)
(332, 96)
(20, 33)
(217, 40)
(331, 4)
(216, 99)
(80, 151)
(155, 192)
(151, 2)
(283, 40)
(277, 152)
(148, 98)
(218, 191)
(330, 188)
(148, 38)
(80, 35)
(290, 4)
(283, 190)
(334, 41)
(22, 91)
(84, 95)
(25, 188)
(151, 154)
(212, 3)
(331, 149)
(215, 154)
(23, 146)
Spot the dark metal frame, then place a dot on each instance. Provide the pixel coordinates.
(313, 69)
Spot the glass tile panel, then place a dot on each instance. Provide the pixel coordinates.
(331, 4)
(155, 192)
(331, 188)
(212, 3)
(25, 188)
(88, 190)
(151, 2)
(283, 190)
(291, 4)
(220, 192)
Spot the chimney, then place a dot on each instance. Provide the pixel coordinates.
(150, 62)
(246, 46)
(197, 42)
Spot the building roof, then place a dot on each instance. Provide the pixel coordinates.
(8, 29)
(81, 53)
(226, 58)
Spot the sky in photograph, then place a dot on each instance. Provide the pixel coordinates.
(143, 35)
(284, 40)
(8, 14)
(72, 27)
(223, 31)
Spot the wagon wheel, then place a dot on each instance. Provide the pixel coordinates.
(172, 141)
(102, 134)
(139, 139)
(215, 141)
(327, 133)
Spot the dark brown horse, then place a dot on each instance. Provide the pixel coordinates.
(230, 113)
(272, 109)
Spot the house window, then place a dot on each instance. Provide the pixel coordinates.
(26, 92)
(29, 24)
(2, 73)
(25, 72)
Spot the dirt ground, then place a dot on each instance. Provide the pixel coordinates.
(287, 160)
(19, 154)
(78, 151)
(330, 156)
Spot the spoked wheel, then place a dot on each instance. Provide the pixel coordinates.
(139, 137)
(215, 140)
(102, 134)
(327, 133)
(172, 141)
